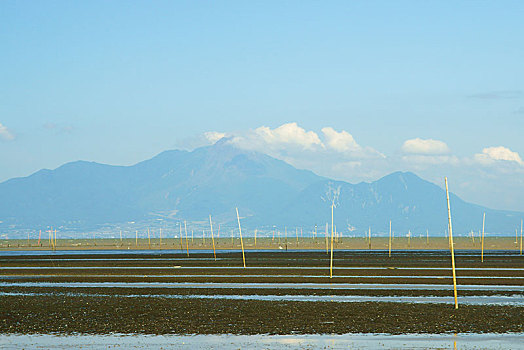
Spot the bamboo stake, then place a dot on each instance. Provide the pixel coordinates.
(452, 248)
(255, 238)
(136, 239)
(369, 239)
(390, 238)
(273, 235)
(327, 246)
(28, 239)
(187, 243)
(482, 239)
(39, 236)
(203, 237)
(161, 237)
(427, 237)
(232, 240)
(181, 239)
(149, 238)
(191, 236)
(212, 238)
(285, 236)
(55, 238)
(120, 237)
(241, 241)
(520, 236)
(409, 238)
(296, 232)
(332, 234)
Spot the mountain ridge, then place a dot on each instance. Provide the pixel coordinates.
(178, 185)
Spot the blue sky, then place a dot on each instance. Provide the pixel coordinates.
(118, 82)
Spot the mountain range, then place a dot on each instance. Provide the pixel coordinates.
(213, 180)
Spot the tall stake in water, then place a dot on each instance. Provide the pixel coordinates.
(327, 245)
(148, 238)
(482, 239)
(427, 237)
(369, 237)
(187, 243)
(332, 234)
(136, 239)
(390, 238)
(212, 238)
(241, 241)
(520, 236)
(451, 243)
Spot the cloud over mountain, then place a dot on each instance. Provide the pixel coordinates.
(490, 155)
(425, 146)
(5, 133)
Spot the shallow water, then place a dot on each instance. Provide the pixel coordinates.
(513, 300)
(229, 342)
(9, 277)
(260, 285)
(260, 267)
(427, 252)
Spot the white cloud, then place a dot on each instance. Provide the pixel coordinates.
(289, 134)
(5, 133)
(490, 155)
(340, 141)
(425, 146)
(214, 136)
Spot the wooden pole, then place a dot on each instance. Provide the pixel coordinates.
(390, 238)
(296, 232)
(120, 237)
(332, 234)
(369, 237)
(241, 241)
(212, 238)
(55, 238)
(452, 248)
(520, 236)
(285, 236)
(482, 239)
(136, 239)
(161, 238)
(273, 235)
(427, 237)
(409, 238)
(327, 245)
(187, 243)
(39, 236)
(255, 238)
(148, 238)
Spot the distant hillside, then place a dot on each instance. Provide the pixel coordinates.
(181, 185)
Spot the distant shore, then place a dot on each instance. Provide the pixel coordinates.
(264, 243)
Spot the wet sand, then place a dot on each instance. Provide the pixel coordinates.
(103, 292)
